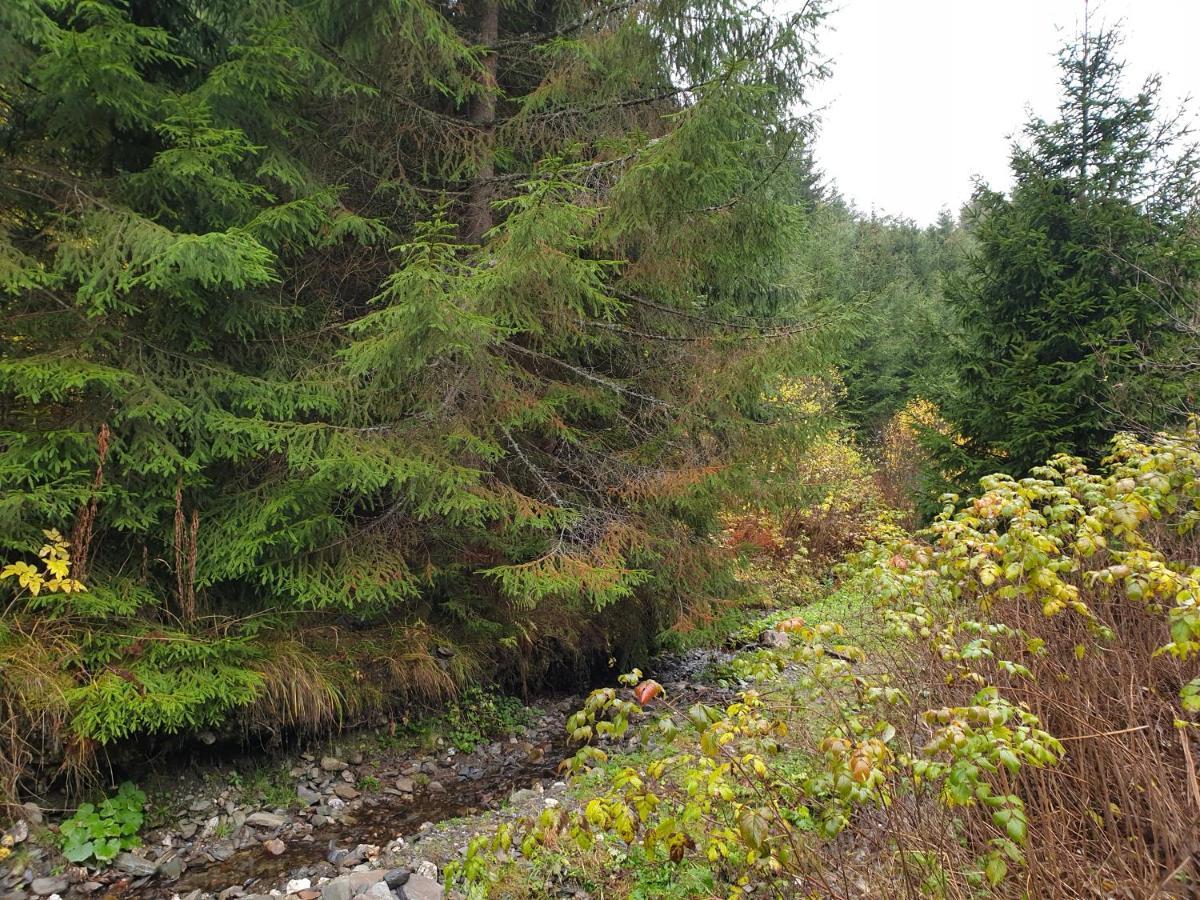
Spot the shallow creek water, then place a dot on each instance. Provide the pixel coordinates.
(384, 817)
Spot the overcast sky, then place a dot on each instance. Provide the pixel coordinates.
(926, 94)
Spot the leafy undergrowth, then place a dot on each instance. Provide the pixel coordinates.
(946, 723)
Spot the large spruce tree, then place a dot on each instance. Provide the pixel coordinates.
(1075, 282)
(438, 321)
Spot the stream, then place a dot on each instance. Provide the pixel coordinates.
(382, 826)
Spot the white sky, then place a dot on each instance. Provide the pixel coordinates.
(926, 94)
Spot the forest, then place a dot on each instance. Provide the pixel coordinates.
(464, 448)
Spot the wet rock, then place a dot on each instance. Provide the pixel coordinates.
(345, 791)
(46, 886)
(265, 820)
(135, 865)
(332, 764)
(421, 887)
(274, 846)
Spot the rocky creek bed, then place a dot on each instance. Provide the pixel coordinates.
(366, 820)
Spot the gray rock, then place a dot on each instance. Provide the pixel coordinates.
(378, 891)
(19, 831)
(421, 887)
(201, 805)
(135, 865)
(308, 795)
(332, 764)
(337, 889)
(234, 890)
(345, 791)
(275, 847)
(265, 820)
(777, 639)
(360, 881)
(397, 877)
(436, 787)
(46, 886)
(32, 813)
(426, 868)
(88, 887)
(188, 830)
(171, 867)
(406, 784)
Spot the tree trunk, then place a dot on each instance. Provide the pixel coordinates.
(483, 117)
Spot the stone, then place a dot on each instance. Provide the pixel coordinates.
(274, 846)
(348, 776)
(378, 891)
(397, 877)
(332, 764)
(426, 868)
(135, 865)
(360, 881)
(337, 889)
(296, 885)
(172, 867)
(32, 813)
(88, 887)
(436, 787)
(777, 639)
(231, 892)
(356, 758)
(345, 791)
(310, 894)
(421, 887)
(20, 831)
(265, 820)
(308, 795)
(46, 886)
(336, 802)
(201, 805)
(188, 830)
(406, 784)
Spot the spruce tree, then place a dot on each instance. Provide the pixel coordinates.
(441, 322)
(1071, 287)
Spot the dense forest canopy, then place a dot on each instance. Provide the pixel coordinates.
(431, 318)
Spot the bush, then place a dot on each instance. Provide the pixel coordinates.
(98, 834)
